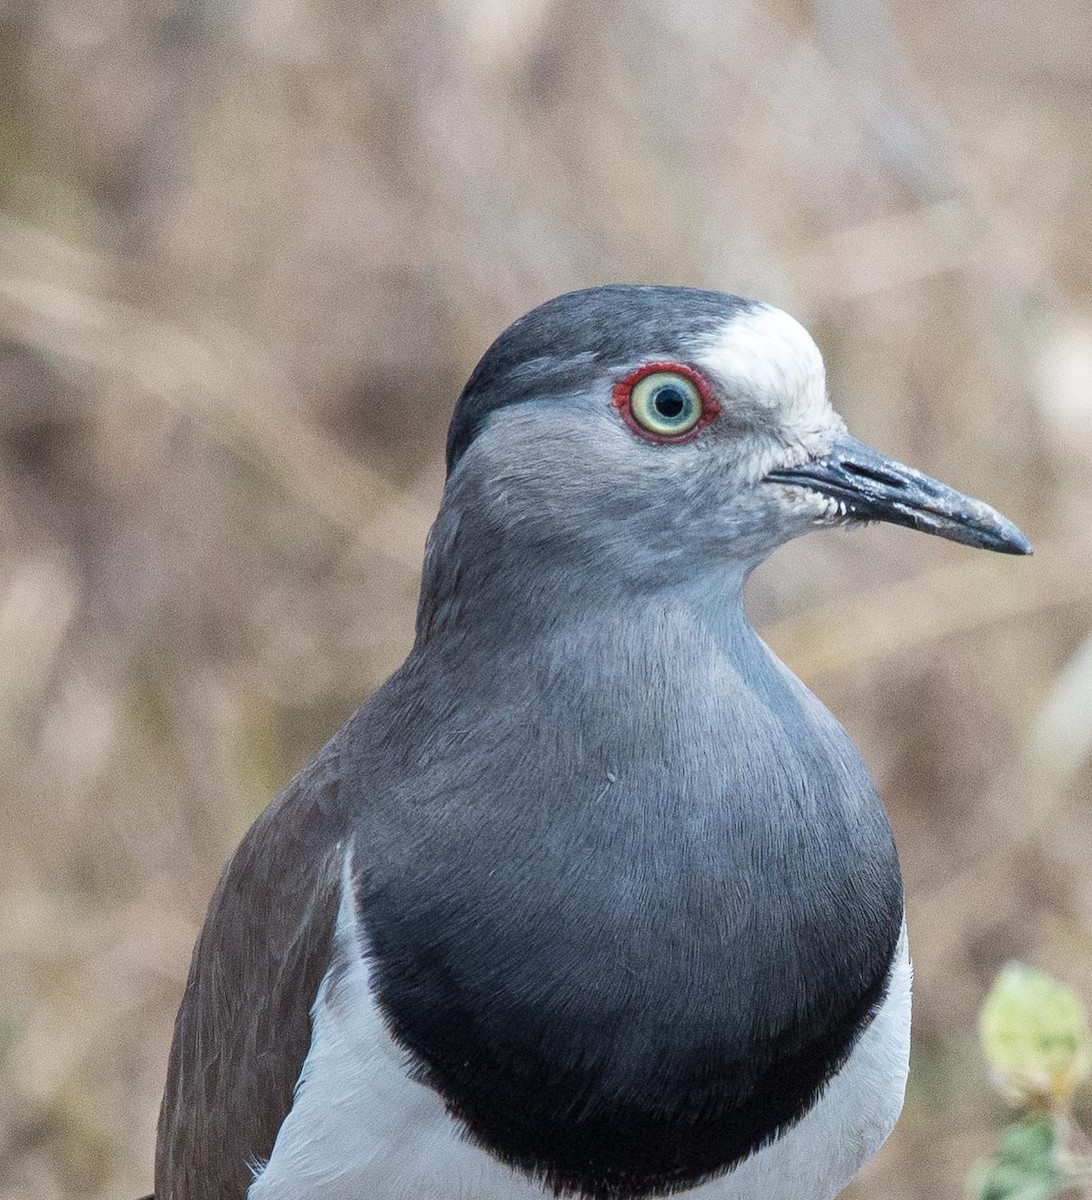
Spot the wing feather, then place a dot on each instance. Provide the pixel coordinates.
(244, 1027)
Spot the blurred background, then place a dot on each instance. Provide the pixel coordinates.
(248, 254)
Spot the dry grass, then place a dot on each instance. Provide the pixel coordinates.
(247, 256)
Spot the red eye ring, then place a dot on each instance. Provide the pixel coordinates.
(622, 393)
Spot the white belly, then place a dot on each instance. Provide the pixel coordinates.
(361, 1129)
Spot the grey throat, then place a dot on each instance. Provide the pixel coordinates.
(593, 897)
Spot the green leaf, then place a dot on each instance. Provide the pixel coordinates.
(1024, 1167)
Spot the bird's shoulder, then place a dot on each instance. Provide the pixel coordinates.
(243, 1028)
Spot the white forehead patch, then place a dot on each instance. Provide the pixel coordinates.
(767, 361)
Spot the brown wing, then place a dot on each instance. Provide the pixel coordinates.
(244, 1026)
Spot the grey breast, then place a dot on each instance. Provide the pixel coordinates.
(630, 889)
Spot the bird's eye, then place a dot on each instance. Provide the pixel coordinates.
(665, 402)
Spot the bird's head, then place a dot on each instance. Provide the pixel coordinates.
(662, 431)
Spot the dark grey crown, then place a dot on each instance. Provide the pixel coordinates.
(554, 348)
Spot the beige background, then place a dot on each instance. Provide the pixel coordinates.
(248, 254)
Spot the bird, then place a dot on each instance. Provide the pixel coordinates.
(593, 898)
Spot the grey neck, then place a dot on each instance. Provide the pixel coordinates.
(485, 590)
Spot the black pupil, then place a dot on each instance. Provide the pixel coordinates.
(670, 402)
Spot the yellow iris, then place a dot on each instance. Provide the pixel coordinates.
(665, 403)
